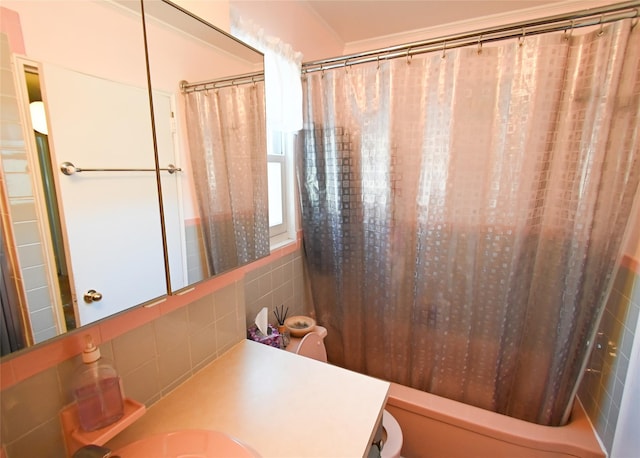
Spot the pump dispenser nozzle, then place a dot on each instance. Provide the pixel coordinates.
(90, 353)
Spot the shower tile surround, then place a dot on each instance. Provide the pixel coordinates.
(602, 386)
(153, 356)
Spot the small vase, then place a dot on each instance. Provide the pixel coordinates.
(286, 338)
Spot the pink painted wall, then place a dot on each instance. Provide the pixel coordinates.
(97, 54)
(10, 25)
(217, 12)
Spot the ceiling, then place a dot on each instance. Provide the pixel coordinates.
(356, 20)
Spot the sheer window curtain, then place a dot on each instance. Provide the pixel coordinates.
(282, 66)
(463, 215)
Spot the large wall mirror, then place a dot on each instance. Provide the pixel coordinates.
(82, 233)
(208, 99)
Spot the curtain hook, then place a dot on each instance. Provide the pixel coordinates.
(346, 66)
(521, 38)
(444, 49)
(321, 71)
(480, 44)
(378, 62)
(567, 36)
(409, 56)
(601, 31)
(634, 21)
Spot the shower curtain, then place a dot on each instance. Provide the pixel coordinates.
(226, 131)
(463, 213)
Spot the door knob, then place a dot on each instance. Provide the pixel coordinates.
(92, 296)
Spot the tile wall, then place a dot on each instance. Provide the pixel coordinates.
(21, 209)
(279, 283)
(155, 357)
(603, 384)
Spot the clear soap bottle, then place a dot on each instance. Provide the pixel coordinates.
(96, 390)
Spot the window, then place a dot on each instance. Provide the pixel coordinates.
(280, 179)
(277, 202)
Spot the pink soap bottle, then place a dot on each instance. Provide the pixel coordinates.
(96, 390)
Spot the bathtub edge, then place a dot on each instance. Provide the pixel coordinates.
(578, 438)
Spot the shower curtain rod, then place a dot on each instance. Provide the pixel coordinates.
(567, 22)
(247, 78)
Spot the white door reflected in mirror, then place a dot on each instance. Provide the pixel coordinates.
(112, 219)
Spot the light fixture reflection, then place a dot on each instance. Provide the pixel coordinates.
(38, 117)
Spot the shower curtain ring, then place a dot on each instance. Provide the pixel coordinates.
(321, 71)
(378, 60)
(601, 31)
(346, 66)
(634, 21)
(567, 36)
(480, 44)
(409, 56)
(522, 37)
(444, 49)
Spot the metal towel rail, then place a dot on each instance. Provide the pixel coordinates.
(69, 169)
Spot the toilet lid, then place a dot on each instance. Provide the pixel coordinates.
(393, 445)
(312, 346)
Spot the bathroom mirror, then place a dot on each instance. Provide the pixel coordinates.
(79, 50)
(213, 218)
(81, 231)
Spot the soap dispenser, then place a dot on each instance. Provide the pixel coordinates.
(96, 390)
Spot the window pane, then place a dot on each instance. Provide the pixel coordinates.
(276, 143)
(274, 171)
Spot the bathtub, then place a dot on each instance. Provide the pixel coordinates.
(433, 426)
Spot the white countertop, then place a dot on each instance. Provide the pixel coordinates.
(279, 403)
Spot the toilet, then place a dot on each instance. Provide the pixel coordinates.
(312, 346)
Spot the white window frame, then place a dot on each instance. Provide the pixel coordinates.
(281, 151)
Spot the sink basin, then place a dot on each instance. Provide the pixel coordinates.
(193, 443)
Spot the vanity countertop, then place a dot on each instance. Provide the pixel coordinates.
(278, 403)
